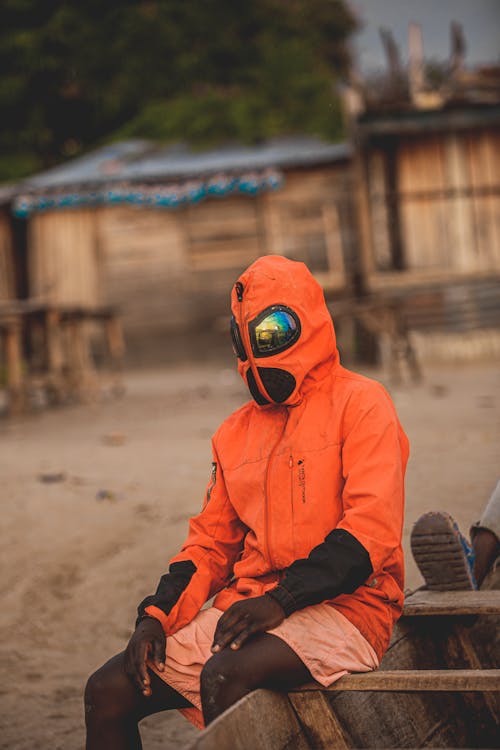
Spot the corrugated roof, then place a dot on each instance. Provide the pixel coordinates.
(7, 192)
(425, 121)
(143, 161)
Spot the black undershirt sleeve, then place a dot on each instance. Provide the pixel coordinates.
(169, 589)
(336, 566)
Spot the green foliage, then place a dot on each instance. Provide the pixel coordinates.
(78, 73)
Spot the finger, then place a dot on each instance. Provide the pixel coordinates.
(227, 620)
(142, 676)
(159, 653)
(223, 632)
(225, 638)
(242, 638)
(232, 616)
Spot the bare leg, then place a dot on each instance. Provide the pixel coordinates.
(486, 549)
(114, 707)
(263, 661)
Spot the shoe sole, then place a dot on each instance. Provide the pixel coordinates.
(438, 552)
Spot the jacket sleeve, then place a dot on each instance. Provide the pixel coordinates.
(205, 563)
(374, 456)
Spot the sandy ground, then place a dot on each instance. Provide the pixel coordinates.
(74, 566)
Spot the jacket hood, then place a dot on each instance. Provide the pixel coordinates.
(275, 280)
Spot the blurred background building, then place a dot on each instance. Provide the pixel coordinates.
(195, 153)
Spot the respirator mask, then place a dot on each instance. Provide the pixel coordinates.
(273, 331)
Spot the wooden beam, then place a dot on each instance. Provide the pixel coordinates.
(424, 603)
(415, 681)
(321, 727)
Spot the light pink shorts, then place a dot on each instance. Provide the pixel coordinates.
(328, 644)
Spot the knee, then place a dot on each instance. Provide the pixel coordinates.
(221, 683)
(214, 676)
(107, 695)
(97, 693)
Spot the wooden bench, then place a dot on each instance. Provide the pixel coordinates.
(435, 686)
(48, 346)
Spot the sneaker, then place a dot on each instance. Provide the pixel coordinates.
(443, 555)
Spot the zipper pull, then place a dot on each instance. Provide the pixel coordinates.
(290, 462)
(239, 290)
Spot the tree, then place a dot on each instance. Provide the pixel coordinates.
(76, 74)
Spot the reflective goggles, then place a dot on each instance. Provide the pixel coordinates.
(275, 329)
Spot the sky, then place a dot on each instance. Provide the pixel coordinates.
(480, 20)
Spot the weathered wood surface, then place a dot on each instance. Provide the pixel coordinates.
(415, 680)
(7, 275)
(446, 197)
(263, 719)
(436, 719)
(11, 353)
(438, 685)
(320, 725)
(424, 603)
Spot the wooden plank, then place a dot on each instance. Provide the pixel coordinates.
(13, 357)
(367, 259)
(7, 281)
(379, 201)
(321, 727)
(429, 603)
(333, 239)
(459, 650)
(262, 719)
(463, 250)
(415, 681)
(63, 264)
(272, 222)
(224, 254)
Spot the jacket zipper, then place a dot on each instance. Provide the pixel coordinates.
(248, 349)
(268, 492)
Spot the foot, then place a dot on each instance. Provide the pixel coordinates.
(443, 555)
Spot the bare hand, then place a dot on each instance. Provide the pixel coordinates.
(244, 619)
(147, 642)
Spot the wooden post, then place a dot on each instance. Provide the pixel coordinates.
(365, 264)
(416, 60)
(116, 343)
(54, 353)
(333, 240)
(82, 376)
(116, 348)
(13, 352)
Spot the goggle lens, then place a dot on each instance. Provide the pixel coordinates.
(275, 332)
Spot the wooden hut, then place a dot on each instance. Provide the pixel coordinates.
(163, 232)
(427, 169)
(432, 182)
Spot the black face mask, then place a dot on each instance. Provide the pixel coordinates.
(279, 384)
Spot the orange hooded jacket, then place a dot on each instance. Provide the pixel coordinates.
(305, 499)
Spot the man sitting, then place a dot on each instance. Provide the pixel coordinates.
(448, 561)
